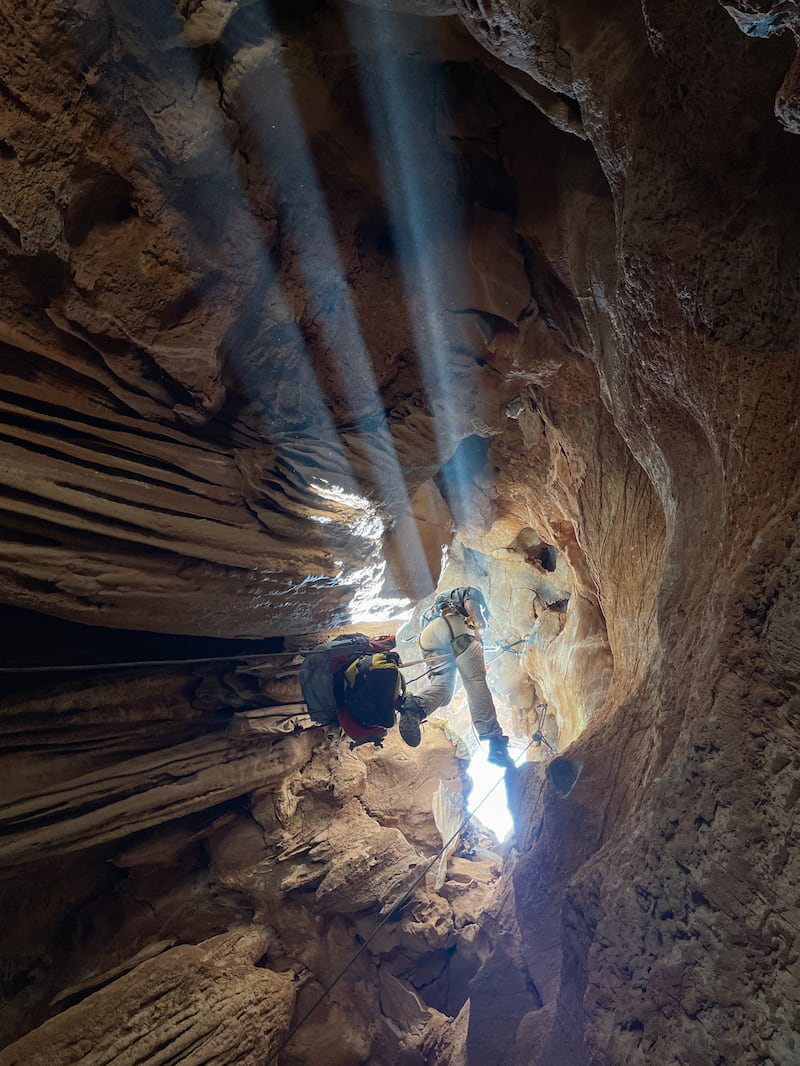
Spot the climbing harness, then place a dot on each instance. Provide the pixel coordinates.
(396, 906)
(539, 737)
(263, 657)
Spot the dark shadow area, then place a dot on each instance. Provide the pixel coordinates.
(109, 904)
(546, 555)
(563, 773)
(30, 639)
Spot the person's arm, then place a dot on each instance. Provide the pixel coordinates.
(474, 609)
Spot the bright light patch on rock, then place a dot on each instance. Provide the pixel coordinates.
(368, 607)
(488, 796)
(357, 512)
(360, 518)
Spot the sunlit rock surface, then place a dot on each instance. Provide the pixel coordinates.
(308, 307)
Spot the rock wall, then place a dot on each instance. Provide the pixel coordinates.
(296, 295)
(653, 902)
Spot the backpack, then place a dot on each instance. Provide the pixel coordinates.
(369, 687)
(454, 598)
(353, 681)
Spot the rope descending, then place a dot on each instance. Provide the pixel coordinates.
(397, 905)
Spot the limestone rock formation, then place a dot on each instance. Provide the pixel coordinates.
(310, 308)
(202, 999)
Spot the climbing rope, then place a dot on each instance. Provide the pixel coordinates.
(255, 658)
(503, 646)
(392, 910)
(72, 667)
(430, 670)
(248, 657)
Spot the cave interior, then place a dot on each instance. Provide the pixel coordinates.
(313, 308)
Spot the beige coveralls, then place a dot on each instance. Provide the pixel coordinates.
(435, 639)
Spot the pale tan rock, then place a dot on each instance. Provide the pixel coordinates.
(446, 1040)
(235, 403)
(138, 794)
(206, 1001)
(406, 1019)
(401, 782)
(270, 721)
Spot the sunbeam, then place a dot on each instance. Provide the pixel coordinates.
(426, 217)
(281, 141)
(309, 231)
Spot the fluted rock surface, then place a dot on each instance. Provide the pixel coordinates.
(298, 295)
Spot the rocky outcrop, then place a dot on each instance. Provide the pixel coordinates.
(207, 1002)
(239, 401)
(210, 890)
(299, 295)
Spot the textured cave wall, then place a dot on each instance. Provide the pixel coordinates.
(206, 338)
(203, 271)
(655, 904)
(611, 212)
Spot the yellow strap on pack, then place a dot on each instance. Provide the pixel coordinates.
(362, 666)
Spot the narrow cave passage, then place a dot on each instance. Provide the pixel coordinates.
(314, 311)
(540, 645)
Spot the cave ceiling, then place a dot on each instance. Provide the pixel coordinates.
(309, 308)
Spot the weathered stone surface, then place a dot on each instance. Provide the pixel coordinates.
(296, 296)
(138, 794)
(206, 1003)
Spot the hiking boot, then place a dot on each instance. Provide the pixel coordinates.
(498, 752)
(411, 712)
(409, 729)
(413, 705)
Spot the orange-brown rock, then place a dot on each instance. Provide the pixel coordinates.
(308, 308)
